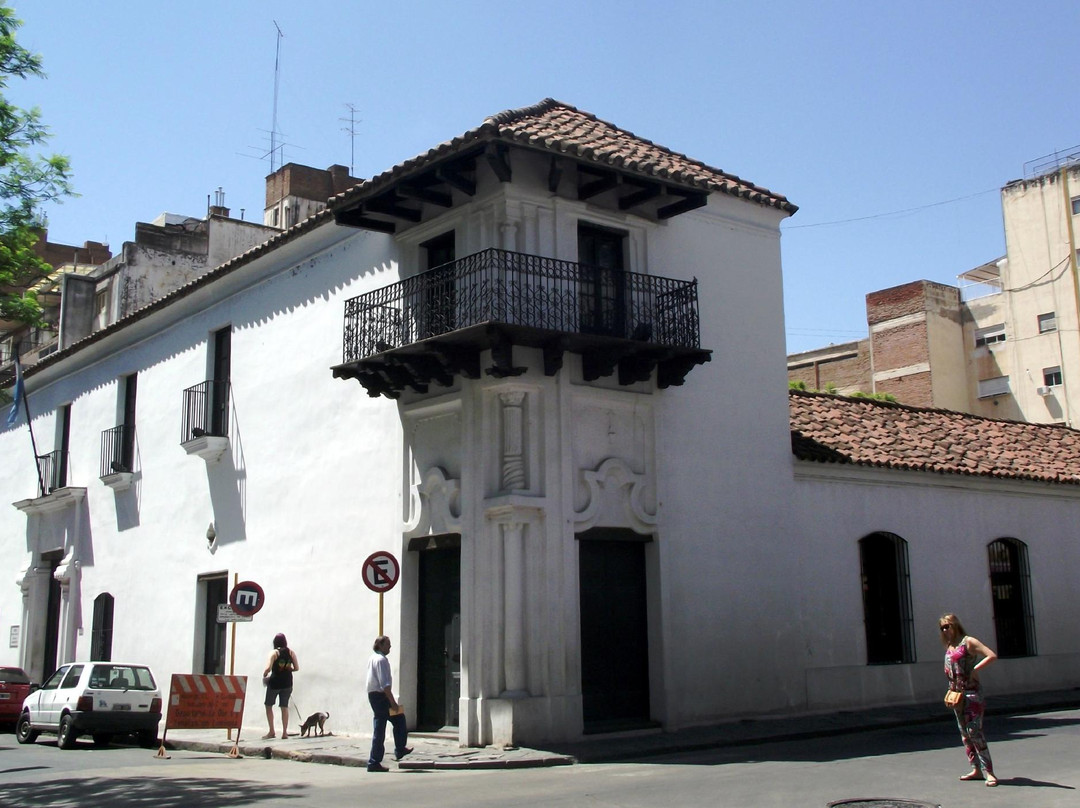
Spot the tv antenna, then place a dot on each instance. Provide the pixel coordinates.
(351, 129)
(277, 76)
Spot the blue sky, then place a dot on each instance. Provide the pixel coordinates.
(892, 126)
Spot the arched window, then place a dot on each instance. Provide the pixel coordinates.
(1010, 589)
(101, 634)
(886, 588)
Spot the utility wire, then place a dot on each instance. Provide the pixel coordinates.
(891, 213)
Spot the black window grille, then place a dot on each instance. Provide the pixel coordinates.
(1010, 589)
(886, 589)
(101, 634)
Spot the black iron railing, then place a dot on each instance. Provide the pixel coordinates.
(117, 450)
(52, 470)
(206, 411)
(496, 286)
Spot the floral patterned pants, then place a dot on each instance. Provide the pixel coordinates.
(970, 722)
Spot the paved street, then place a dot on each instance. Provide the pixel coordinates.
(1036, 758)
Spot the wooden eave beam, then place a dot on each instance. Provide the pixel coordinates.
(555, 172)
(690, 201)
(423, 193)
(452, 175)
(389, 205)
(356, 218)
(647, 192)
(607, 180)
(498, 157)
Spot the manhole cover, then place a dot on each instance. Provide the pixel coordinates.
(882, 802)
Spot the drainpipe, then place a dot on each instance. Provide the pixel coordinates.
(1072, 265)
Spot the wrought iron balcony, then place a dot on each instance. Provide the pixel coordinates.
(434, 325)
(206, 411)
(52, 471)
(117, 450)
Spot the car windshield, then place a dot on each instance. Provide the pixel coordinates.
(14, 676)
(121, 677)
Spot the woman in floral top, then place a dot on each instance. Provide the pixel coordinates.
(964, 657)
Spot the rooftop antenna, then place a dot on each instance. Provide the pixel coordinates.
(351, 129)
(277, 75)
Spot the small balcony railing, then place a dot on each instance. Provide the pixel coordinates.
(206, 411)
(117, 450)
(52, 470)
(529, 291)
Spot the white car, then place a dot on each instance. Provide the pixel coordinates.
(100, 699)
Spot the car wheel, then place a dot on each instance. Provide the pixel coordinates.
(65, 736)
(24, 732)
(102, 739)
(148, 738)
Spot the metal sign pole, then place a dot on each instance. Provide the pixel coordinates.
(232, 654)
(380, 613)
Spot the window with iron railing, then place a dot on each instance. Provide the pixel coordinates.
(205, 411)
(52, 470)
(117, 450)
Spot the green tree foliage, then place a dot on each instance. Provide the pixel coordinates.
(27, 179)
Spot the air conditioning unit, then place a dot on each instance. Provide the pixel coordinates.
(1043, 391)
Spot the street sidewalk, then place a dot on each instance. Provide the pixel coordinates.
(437, 751)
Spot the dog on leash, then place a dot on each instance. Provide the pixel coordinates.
(314, 725)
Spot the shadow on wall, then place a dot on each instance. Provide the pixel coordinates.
(227, 480)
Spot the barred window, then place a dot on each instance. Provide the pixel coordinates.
(1010, 589)
(886, 589)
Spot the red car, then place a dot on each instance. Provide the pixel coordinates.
(14, 687)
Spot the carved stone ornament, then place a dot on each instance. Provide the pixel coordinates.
(435, 504)
(616, 499)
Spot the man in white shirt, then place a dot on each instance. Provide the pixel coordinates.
(385, 706)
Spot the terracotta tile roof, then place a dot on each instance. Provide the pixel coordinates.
(865, 432)
(559, 128)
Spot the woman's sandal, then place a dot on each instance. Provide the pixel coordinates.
(974, 774)
(991, 781)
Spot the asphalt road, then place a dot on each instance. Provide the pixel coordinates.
(1036, 757)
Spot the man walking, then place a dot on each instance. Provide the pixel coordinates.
(385, 707)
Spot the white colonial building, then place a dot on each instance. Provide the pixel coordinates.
(571, 430)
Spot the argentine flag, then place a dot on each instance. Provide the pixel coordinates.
(13, 414)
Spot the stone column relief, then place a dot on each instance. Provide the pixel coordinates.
(513, 443)
(514, 608)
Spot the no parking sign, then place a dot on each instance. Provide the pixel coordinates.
(381, 572)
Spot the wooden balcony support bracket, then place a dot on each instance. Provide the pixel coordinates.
(426, 368)
(502, 356)
(498, 157)
(553, 355)
(601, 362)
(672, 372)
(455, 359)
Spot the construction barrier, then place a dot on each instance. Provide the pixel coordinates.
(205, 701)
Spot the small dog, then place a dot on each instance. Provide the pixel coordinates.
(314, 721)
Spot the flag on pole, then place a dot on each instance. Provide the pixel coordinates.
(13, 414)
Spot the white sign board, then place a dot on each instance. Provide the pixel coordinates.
(225, 614)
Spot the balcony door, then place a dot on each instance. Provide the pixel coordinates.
(603, 292)
(438, 293)
(218, 397)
